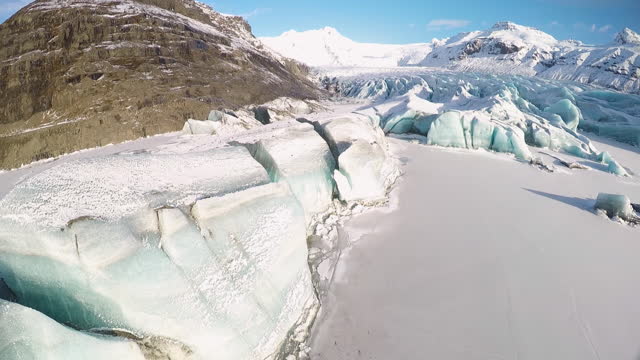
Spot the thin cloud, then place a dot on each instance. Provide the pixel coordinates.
(256, 12)
(605, 28)
(593, 28)
(447, 24)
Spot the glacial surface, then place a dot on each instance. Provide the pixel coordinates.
(217, 240)
(502, 113)
(178, 247)
(505, 48)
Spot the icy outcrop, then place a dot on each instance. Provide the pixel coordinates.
(327, 47)
(28, 334)
(452, 130)
(195, 249)
(365, 168)
(611, 114)
(200, 249)
(227, 122)
(498, 113)
(301, 158)
(95, 188)
(567, 111)
(220, 123)
(615, 205)
(284, 108)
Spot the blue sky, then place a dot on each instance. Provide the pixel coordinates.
(407, 21)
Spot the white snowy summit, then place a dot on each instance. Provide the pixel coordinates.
(627, 36)
(505, 48)
(327, 47)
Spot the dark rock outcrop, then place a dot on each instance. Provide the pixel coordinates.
(76, 74)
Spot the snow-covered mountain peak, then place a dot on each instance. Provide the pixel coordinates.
(505, 25)
(327, 47)
(509, 32)
(506, 47)
(627, 37)
(330, 30)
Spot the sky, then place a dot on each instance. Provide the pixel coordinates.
(412, 21)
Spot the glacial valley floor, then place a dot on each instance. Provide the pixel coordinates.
(484, 257)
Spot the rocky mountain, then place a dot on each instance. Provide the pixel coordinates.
(76, 74)
(505, 48)
(327, 47)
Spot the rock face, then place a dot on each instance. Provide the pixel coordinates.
(77, 73)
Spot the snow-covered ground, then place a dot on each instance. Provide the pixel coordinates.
(485, 257)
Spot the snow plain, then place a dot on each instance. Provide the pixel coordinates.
(485, 257)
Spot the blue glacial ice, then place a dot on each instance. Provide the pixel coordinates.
(300, 157)
(199, 249)
(26, 334)
(615, 205)
(502, 113)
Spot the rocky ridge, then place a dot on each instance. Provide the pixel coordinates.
(78, 74)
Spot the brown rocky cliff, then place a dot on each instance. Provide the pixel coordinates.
(76, 74)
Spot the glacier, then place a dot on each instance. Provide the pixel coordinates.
(501, 113)
(308, 173)
(615, 205)
(192, 264)
(200, 249)
(365, 168)
(26, 334)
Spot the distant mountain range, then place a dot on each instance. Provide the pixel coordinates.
(505, 48)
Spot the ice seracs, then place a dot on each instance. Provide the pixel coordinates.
(616, 206)
(189, 257)
(504, 113)
(28, 334)
(201, 249)
(365, 167)
(226, 122)
(298, 156)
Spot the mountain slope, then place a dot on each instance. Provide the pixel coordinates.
(505, 48)
(515, 49)
(327, 47)
(80, 73)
